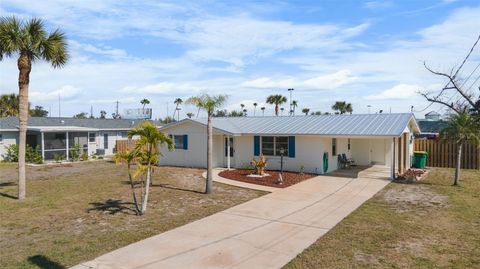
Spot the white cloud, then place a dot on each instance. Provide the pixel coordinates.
(163, 88)
(66, 92)
(401, 91)
(323, 82)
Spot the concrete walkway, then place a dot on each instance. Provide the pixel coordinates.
(266, 232)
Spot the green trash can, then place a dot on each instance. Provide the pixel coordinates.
(420, 159)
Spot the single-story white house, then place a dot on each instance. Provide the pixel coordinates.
(55, 135)
(384, 139)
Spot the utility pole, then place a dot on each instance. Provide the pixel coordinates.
(291, 108)
(59, 108)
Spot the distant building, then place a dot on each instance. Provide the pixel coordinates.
(431, 126)
(432, 115)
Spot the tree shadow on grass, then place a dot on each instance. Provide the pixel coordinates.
(113, 207)
(44, 262)
(168, 186)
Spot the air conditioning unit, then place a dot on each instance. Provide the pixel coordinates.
(100, 151)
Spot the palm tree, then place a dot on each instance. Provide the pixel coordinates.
(190, 115)
(209, 104)
(254, 108)
(281, 111)
(276, 100)
(461, 128)
(8, 105)
(144, 102)
(342, 107)
(30, 41)
(103, 114)
(294, 105)
(263, 110)
(306, 110)
(147, 151)
(177, 102)
(244, 112)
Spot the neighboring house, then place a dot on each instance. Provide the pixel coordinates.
(55, 135)
(368, 139)
(433, 116)
(431, 126)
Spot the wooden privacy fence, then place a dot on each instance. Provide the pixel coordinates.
(444, 154)
(124, 145)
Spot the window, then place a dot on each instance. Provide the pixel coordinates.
(229, 140)
(334, 146)
(91, 137)
(179, 141)
(1, 138)
(271, 145)
(281, 142)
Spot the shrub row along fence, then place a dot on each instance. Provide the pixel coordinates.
(444, 154)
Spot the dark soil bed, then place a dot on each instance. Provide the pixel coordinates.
(289, 178)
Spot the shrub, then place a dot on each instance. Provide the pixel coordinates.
(32, 155)
(260, 165)
(84, 156)
(75, 153)
(58, 157)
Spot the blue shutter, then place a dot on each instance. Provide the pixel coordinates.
(185, 141)
(291, 146)
(256, 145)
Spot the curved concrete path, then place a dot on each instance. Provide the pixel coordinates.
(266, 232)
(237, 183)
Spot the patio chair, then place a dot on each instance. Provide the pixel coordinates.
(341, 163)
(349, 162)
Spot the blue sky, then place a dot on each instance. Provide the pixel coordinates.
(363, 52)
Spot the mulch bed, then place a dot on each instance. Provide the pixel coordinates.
(289, 178)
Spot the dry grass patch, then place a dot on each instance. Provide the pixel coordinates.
(430, 224)
(76, 212)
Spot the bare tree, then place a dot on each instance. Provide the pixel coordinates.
(456, 94)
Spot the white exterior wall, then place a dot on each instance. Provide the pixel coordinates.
(8, 138)
(367, 151)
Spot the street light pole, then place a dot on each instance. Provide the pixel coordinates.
(291, 109)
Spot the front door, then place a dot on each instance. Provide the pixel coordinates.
(227, 141)
(377, 151)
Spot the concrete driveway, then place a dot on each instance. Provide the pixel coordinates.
(266, 232)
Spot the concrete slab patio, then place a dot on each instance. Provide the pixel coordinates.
(266, 232)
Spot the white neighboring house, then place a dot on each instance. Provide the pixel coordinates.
(384, 139)
(56, 135)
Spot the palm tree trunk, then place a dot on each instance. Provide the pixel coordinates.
(457, 169)
(208, 187)
(132, 186)
(175, 111)
(24, 67)
(276, 109)
(147, 188)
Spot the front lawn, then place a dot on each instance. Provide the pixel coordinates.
(430, 224)
(77, 212)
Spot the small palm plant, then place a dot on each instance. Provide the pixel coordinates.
(145, 155)
(461, 127)
(306, 111)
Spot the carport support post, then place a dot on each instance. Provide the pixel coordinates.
(228, 152)
(43, 145)
(392, 160)
(67, 145)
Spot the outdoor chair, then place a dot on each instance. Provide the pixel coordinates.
(349, 162)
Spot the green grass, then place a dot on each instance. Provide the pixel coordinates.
(430, 224)
(77, 212)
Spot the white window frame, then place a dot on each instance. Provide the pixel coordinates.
(95, 138)
(274, 146)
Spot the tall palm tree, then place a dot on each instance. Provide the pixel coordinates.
(209, 104)
(8, 105)
(144, 102)
(30, 41)
(177, 102)
(147, 151)
(190, 115)
(263, 110)
(306, 110)
(294, 105)
(254, 108)
(342, 107)
(281, 111)
(461, 128)
(276, 100)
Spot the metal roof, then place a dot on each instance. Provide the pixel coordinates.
(339, 125)
(11, 123)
